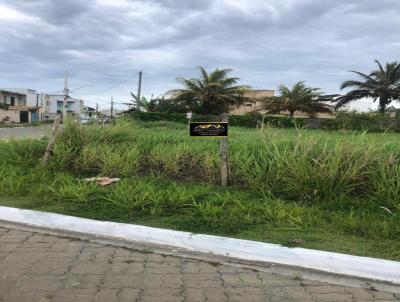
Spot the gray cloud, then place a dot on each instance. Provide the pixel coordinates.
(267, 42)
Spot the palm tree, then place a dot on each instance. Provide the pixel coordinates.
(299, 98)
(213, 93)
(382, 84)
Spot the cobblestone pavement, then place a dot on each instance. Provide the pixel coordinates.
(41, 268)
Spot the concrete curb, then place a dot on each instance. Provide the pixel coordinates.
(341, 264)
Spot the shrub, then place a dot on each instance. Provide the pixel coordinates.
(250, 120)
(361, 122)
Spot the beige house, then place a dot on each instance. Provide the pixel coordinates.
(248, 107)
(14, 108)
(257, 105)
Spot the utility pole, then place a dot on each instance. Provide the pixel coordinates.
(64, 114)
(97, 112)
(139, 92)
(112, 107)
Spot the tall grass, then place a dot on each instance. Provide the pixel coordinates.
(297, 165)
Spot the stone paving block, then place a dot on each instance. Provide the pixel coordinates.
(106, 295)
(163, 270)
(215, 295)
(77, 295)
(201, 277)
(194, 295)
(163, 264)
(27, 296)
(122, 281)
(152, 280)
(250, 278)
(70, 281)
(43, 282)
(161, 299)
(244, 291)
(151, 257)
(325, 289)
(248, 298)
(170, 259)
(383, 296)
(89, 267)
(202, 284)
(139, 258)
(51, 266)
(172, 280)
(162, 292)
(359, 294)
(232, 280)
(333, 297)
(118, 268)
(6, 247)
(128, 295)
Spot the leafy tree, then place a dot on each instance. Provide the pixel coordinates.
(381, 85)
(299, 98)
(212, 93)
(140, 105)
(162, 104)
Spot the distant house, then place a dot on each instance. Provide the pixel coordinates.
(255, 104)
(53, 105)
(26, 105)
(16, 107)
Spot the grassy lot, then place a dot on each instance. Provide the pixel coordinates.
(335, 191)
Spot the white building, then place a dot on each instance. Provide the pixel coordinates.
(53, 105)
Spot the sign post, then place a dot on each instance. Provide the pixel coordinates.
(189, 116)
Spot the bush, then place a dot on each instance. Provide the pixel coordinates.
(361, 122)
(250, 121)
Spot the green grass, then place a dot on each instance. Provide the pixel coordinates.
(336, 191)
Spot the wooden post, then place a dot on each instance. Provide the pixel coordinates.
(52, 140)
(224, 156)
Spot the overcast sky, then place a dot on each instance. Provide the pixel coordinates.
(267, 42)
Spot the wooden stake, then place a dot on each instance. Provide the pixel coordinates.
(224, 156)
(52, 140)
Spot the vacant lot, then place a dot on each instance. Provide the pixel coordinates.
(336, 191)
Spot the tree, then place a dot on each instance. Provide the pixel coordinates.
(381, 85)
(140, 105)
(214, 94)
(162, 104)
(299, 98)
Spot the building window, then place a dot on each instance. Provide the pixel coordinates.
(59, 106)
(12, 101)
(69, 106)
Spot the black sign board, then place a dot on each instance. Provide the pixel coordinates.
(209, 129)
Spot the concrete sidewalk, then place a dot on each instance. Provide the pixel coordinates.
(36, 267)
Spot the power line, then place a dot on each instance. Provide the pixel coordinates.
(115, 86)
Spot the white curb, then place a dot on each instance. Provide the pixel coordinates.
(370, 268)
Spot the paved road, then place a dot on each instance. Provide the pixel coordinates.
(41, 268)
(25, 132)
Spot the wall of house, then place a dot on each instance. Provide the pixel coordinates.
(11, 115)
(248, 107)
